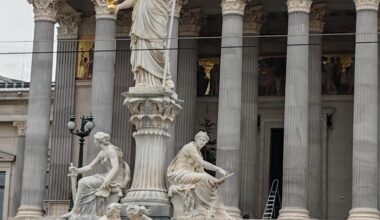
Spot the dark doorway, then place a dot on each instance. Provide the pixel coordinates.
(276, 159)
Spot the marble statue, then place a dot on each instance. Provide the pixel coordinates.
(135, 212)
(193, 192)
(112, 212)
(148, 37)
(97, 192)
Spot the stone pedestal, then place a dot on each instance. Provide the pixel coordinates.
(153, 111)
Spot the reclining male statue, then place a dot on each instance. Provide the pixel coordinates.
(193, 192)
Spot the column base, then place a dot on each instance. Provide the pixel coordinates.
(29, 213)
(364, 213)
(294, 214)
(233, 212)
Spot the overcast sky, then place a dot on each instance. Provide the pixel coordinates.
(17, 25)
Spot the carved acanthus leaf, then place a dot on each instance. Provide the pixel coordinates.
(299, 5)
(317, 17)
(233, 7)
(254, 18)
(68, 25)
(367, 4)
(21, 127)
(45, 10)
(102, 11)
(191, 21)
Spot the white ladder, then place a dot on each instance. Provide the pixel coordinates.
(273, 193)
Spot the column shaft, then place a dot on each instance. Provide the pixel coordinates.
(61, 140)
(365, 112)
(187, 90)
(315, 135)
(103, 79)
(38, 120)
(249, 125)
(121, 129)
(295, 165)
(229, 112)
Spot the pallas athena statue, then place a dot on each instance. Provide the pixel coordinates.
(148, 37)
(95, 193)
(194, 192)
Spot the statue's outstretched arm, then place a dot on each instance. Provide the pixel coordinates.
(124, 5)
(90, 166)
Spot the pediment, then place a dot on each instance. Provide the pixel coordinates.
(6, 157)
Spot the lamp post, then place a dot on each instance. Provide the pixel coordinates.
(87, 124)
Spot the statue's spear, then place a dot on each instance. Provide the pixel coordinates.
(169, 41)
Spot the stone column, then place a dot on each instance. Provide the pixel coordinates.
(153, 111)
(191, 22)
(364, 182)
(294, 197)
(173, 62)
(229, 110)
(253, 19)
(103, 73)
(317, 22)
(38, 119)
(58, 193)
(15, 203)
(121, 129)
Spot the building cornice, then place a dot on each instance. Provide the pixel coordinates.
(317, 17)
(45, 10)
(102, 11)
(253, 20)
(299, 6)
(191, 21)
(367, 5)
(233, 7)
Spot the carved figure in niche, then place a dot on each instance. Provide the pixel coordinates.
(330, 67)
(148, 33)
(215, 78)
(202, 81)
(135, 212)
(97, 192)
(112, 212)
(193, 192)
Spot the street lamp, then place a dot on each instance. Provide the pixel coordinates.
(87, 124)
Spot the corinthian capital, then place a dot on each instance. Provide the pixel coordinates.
(45, 10)
(178, 7)
(367, 4)
(233, 7)
(253, 20)
(102, 11)
(123, 23)
(21, 127)
(299, 5)
(68, 25)
(191, 21)
(317, 17)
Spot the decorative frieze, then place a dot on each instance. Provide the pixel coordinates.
(123, 23)
(21, 127)
(102, 10)
(253, 20)
(45, 10)
(68, 25)
(299, 5)
(233, 7)
(367, 4)
(191, 21)
(317, 17)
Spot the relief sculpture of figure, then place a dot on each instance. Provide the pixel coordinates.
(148, 37)
(96, 193)
(193, 192)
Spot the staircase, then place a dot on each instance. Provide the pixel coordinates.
(270, 205)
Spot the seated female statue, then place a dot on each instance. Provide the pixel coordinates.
(96, 192)
(194, 189)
